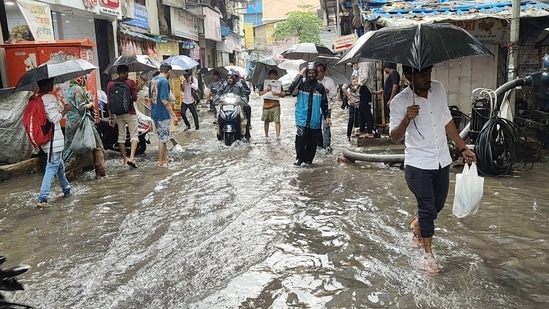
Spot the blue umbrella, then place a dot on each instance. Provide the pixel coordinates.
(182, 61)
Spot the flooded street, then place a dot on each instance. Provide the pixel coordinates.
(241, 227)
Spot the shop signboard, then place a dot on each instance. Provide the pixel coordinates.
(212, 24)
(184, 24)
(141, 17)
(249, 38)
(344, 42)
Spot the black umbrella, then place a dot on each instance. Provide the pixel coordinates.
(208, 76)
(60, 71)
(261, 71)
(136, 63)
(306, 51)
(417, 46)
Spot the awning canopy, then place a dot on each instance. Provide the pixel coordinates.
(385, 13)
(150, 37)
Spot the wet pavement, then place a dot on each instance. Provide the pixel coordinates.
(241, 227)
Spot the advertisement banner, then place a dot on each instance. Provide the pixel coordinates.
(38, 17)
(269, 30)
(249, 38)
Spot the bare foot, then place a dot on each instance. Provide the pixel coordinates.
(429, 264)
(416, 234)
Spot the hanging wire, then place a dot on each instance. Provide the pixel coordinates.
(498, 143)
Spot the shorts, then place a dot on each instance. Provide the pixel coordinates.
(271, 114)
(131, 121)
(163, 130)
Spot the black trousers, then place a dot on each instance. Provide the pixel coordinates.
(248, 112)
(192, 108)
(366, 117)
(306, 141)
(430, 187)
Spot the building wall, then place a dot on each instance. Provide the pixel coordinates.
(274, 10)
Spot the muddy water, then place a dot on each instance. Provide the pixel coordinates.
(241, 227)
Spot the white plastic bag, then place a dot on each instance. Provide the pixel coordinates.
(469, 190)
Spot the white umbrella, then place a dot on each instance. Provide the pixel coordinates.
(60, 71)
(341, 73)
(136, 63)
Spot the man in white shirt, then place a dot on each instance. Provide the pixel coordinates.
(420, 115)
(331, 93)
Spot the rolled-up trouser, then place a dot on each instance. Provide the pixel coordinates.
(430, 188)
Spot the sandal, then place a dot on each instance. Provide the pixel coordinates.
(132, 164)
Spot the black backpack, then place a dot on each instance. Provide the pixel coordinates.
(120, 98)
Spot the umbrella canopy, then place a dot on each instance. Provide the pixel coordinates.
(177, 71)
(136, 63)
(182, 61)
(61, 71)
(306, 51)
(292, 65)
(417, 46)
(340, 73)
(208, 76)
(242, 72)
(261, 71)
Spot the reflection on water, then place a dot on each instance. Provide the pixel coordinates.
(241, 227)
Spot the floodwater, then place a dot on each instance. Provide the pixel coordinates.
(241, 227)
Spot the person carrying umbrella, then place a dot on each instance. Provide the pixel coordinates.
(116, 89)
(187, 85)
(310, 107)
(420, 116)
(77, 96)
(55, 166)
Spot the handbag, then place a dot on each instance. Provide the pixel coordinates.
(84, 139)
(196, 95)
(468, 192)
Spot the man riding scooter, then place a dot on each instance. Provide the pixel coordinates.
(234, 86)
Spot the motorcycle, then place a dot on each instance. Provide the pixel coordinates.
(8, 282)
(231, 121)
(109, 135)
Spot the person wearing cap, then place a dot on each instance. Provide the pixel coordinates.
(129, 118)
(161, 111)
(189, 83)
(311, 106)
(391, 86)
(420, 115)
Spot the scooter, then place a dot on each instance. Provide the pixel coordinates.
(109, 135)
(231, 121)
(8, 282)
